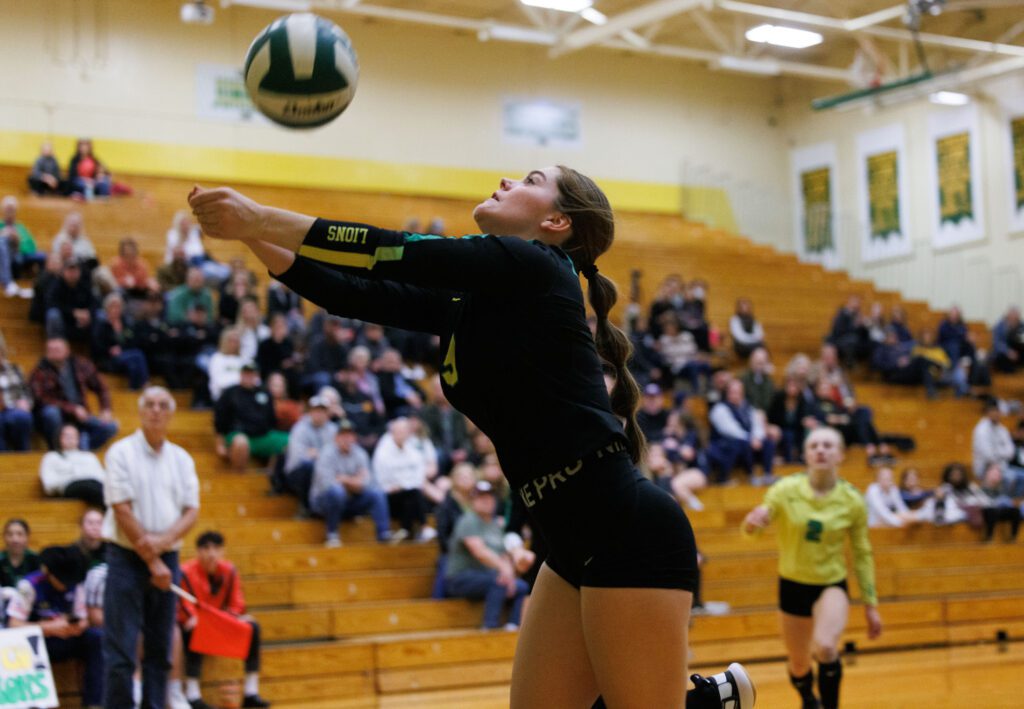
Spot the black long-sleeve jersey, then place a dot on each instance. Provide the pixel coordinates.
(518, 357)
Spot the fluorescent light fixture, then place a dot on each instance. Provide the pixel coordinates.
(595, 17)
(511, 33)
(949, 98)
(762, 67)
(282, 5)
(561, 5)
(783, 36)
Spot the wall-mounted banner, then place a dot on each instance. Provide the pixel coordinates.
(882, 166)
(221, 95)
(1017, 173)
(814, 185)
(25, 676)
(541, 123)
(955, 177)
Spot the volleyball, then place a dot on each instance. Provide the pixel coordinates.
(301, 71)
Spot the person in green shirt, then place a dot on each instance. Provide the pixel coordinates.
(16, 560)
(23, 252)
(814, 513)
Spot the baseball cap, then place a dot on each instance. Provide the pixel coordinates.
(345, 425)
(250, 367)
(65, 563)
(484, 488)
(652, 390)
(317, 402)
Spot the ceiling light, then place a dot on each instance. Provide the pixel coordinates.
(562, 5)
(593, 16)
(763, 67)
(282, 5)
(783, 36)
(949, 98)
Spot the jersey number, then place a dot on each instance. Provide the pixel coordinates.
(448, 370)
(814, 530)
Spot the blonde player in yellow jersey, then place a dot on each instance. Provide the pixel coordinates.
(814, 513)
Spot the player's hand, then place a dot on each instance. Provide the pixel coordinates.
(874, 619)
(160, 575)
(224, 213)
(757, 519)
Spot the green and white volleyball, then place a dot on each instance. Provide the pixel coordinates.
(301, 71)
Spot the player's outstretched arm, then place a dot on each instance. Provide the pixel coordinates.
(224, 213)
(757, 520)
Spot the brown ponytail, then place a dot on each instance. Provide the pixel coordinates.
(593, 230)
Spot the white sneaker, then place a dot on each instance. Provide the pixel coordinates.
(397, 536)
(734, 687)
(333, 541)
(12, 289)
(176, 699)
(427, 534)
(27, 293)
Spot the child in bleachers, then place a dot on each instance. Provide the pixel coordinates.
(16, 560)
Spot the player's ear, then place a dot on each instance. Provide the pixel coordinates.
(557, 225)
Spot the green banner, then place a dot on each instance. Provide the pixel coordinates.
(816, 192)
(1017, 131)
(884, 195)
(953, 153)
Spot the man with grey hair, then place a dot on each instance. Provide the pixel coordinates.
(152, 494)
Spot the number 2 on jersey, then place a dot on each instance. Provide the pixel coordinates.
(814, 530)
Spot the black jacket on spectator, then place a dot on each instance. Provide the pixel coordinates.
(653, 425)
(104, 338)
(67, 298)
(280, 300)
(250, 411)
(271, 356)
(325, 356)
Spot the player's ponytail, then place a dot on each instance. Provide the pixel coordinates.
(593, 230)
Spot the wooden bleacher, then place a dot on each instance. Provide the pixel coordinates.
(354, 626)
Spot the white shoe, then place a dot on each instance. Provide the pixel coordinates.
(734, 686)
(27, 293)
(176, 699)
(12, 289)
(427, 534)
(333, 541)
(397, 536)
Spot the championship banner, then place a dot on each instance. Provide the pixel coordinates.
(25, 677)
(814, 174)
(882, 163)
(1017, 178)
(955, 178)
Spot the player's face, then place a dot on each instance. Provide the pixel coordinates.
(823, 450)
(519, 207)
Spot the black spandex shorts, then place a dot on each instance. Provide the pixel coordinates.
(611, 527)
(799, 598)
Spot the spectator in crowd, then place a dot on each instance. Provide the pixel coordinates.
(183, 298)
(328, 353)
(362, 379)
(245, 422)
(875, 324)
(895, 360)
(45, 179)
(237, 288)
(152, 493)
(276, 353)
(1008, 341)
(225, 365)
(375, 340)
(746, 332)
(669, 298)
(954, 336)
(287, 411)
(652, 417)
(455, 503)
(758, 386)
(114, 344)
(72, 473)
(738, 436)
(22, 250)
(448, 428)
(794, 416)
(251, 327)
(799, 368)
(991, 443)
(131, 271)
(679, 351)
(691, 315)
(848, 333)
(478, 566)
(215, 583)
(681, 482)
(959, 499)
(54, 599)
(15, 404)
(999, 506)
(954, 373)
(435, 486)
(306, 439)
(16, 560)
(400, 469)
(87, 177)
(399, 395)
(90, 543)
(282, 300)
(59, 385)
(70, 304)
(898, 323)
(343, 486)
(682, 444)
(916, 497)
(184, 234)
(72, 232)
(190, 349)
(173, 273)
(885, 503)
(834, 399)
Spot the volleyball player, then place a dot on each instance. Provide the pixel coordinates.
(611, 604)
(814, 513)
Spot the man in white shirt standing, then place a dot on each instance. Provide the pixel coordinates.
(152, 495)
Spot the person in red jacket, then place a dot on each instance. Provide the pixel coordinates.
(214, 581)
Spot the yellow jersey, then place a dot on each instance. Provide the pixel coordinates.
(812, 530)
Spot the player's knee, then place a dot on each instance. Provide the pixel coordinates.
(825, 650)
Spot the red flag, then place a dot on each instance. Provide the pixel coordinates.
(220, 633)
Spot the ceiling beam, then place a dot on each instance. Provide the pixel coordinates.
(711, 31)
(630, 20)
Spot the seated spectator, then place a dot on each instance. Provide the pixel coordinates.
(679, 351)
(400, 469)
(738, 436)
(54, 599)
(834, 397)
(669, 298)
(173, 273)
(59, 385)
(447, 427)
(235, 290)
(276, 353)
(491, 473)
(455, 503)
(691, 314)
(746, 332)
(898, 323)
(185, 235)
(478, 566)
(244, 419)
(251, 327)
(328, 353)
(23, 255)
(185, 297)
(375, 340)
(791, 413)
(281, 300)
(758, 386)
(191, 347)
(683, 448)
(224, 367)
(875, 324)
(885, 503)
(435, 486)
(915, 496)
(991, 443)
(73, 232)
(45, 179)
(70, 305)
(954, 336)
(44, 282)
(114, 345)
(87, 177)
(999, 506)
(1008, 341)
(16, 560)
(72, 473)
(215, 583)
(287, 410)
(310, 434)
(131, 271)
(799, 368)
(959, 499)
(362, 379)
(399, 395)
(15, 405)
(848, 333)
(90, 542)
(682, 483)
(945, 371)
(898, 365)
(652, 417)
(343, 487)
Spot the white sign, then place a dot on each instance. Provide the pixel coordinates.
(221, 95)
(25, 677)
(543, 123)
